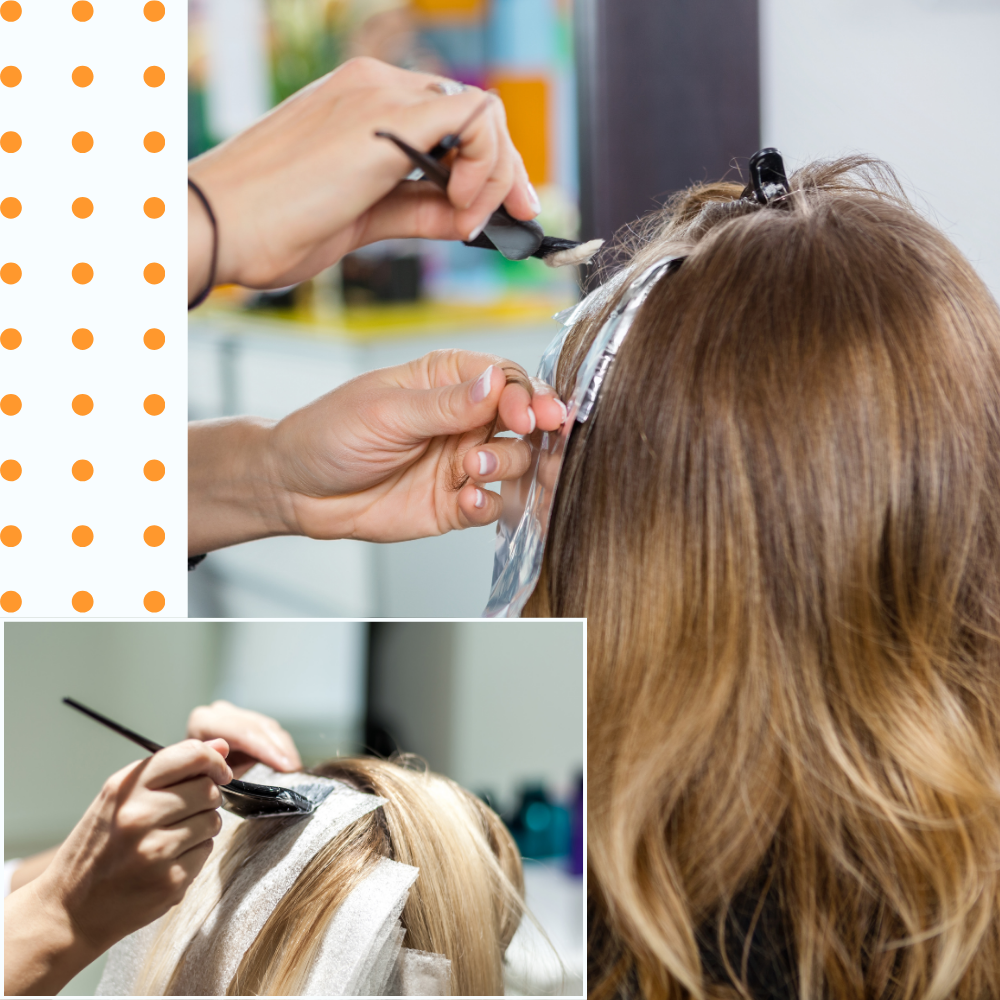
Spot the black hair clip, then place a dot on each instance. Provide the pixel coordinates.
(768, 182)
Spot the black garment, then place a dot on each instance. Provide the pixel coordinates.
(194, 560)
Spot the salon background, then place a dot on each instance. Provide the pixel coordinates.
(497, 706)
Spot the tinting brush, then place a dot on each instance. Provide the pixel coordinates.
(241, 797)
(516, 239)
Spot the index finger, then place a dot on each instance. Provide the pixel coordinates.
(181, 761)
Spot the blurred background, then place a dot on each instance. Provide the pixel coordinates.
(614, 104)
(497, 706)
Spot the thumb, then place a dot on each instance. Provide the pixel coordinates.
(453, 409)
(219, 745)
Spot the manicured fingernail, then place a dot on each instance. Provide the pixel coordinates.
(531, 417)
(480, 499)
(562, 410)
(481, 387)
(536, 205)
(475, 232)
(487, 463)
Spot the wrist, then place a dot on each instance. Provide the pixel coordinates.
(235, 488)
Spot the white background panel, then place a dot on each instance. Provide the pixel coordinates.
(118, 240)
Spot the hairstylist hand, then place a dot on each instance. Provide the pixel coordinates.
(310, 181)
(132, 856)
(378, 458)
(252, 737)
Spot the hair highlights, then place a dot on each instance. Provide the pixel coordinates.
(783, 526)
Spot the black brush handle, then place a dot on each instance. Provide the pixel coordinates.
(248, 798)
(121, 730)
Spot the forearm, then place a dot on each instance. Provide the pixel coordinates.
(233, 492)
(42, 949)
(31, 868)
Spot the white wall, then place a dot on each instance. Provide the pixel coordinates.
(492, 704)
(913, 82)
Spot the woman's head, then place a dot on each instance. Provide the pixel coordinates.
(465, 904)
(782, 522)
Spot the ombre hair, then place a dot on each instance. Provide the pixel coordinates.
(782, 523)
(466, 903)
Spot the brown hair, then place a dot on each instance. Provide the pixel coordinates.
(782, 522)
(466, 903)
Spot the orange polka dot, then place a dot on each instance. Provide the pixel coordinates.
(82, 273)
(10, 404)
(10, 76)
(10, 339)
(10, 600)
(83, 208)
(154, 601)
(82, 470)
(154, 76)
(153, 207)
(154, 339)
(154, 142)
(153, 11)
(82, 536)
(10, 274)
(154, 470)
(10, 535)
(154, 273)
(10, 142)
(10, 10)
(82, 10)
(82, 601)
(82, 404)
(153, 405)
(82, 339)
(154, 535)
(83, 76)
(83, 142)
(10, 208)
(10, 470)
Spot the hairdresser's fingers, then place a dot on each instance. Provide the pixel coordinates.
(169, 842)
(501, 459)
(493, 192)
(178, 802)
(251, 735)
(522, 199)
(186, 760)
(520, 411)
(477, 506)
(449, 409)
(550, 410)
(184, 869)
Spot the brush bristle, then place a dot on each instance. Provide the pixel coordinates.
(581, 254)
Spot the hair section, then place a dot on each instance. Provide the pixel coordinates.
(782, 522)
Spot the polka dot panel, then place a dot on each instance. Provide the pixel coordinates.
(93, 393)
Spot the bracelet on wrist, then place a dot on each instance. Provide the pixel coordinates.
(215, 245)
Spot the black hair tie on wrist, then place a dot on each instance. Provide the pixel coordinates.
(215, 245)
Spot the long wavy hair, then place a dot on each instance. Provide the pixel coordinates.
(782, 523)
(466, 903)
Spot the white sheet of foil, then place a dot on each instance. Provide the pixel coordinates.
(527, 502)
(361, 953)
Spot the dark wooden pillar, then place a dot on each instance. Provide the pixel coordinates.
(669, 93)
